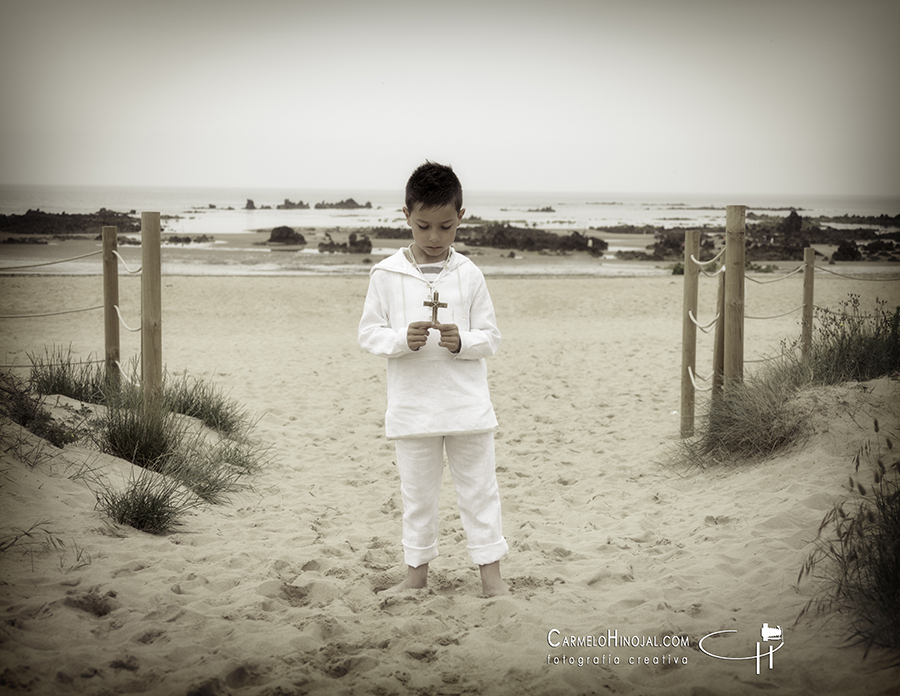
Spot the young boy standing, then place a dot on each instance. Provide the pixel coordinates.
(429, 313)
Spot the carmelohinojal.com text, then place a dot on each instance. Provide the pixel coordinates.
(612, 639)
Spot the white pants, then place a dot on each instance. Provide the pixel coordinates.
(471, 461)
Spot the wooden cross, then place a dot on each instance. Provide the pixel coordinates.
(434, 304)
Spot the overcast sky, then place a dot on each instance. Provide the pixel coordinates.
(689, 96)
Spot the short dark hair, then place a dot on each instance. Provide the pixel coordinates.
(433, 185)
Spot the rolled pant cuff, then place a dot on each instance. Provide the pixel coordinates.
(414, 556)
(484, 555)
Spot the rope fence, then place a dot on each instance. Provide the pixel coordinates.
(151, 306)
(132, 271)
(728, 352)
(50, 314)
(844, 275)
(51, 263)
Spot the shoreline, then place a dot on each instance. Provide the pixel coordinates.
(248, 254)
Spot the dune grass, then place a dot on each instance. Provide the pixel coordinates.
(749, 422)
(206, 402)
(147, 435)
(761, 415)
(151, 503)
(183, 466)
(857, 550)
(852, 345)
(154, 436)
(57, 371)
(20, 404)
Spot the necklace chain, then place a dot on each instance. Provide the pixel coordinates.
(434, 282)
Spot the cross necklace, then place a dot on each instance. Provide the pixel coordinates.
(434, 302)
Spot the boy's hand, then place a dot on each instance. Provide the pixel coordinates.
(449, 337)
(417, 334)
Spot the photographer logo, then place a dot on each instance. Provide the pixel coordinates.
(770, 635)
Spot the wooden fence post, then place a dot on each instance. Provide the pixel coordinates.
(734, 293)
(110, 301)
(718, 377)
(809, 273)
(689, 330)
(151, 308)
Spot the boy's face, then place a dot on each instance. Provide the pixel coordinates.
(434, 230)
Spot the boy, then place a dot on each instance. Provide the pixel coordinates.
(429, 313)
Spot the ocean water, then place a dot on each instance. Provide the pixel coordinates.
(219, 212)
(578, 209)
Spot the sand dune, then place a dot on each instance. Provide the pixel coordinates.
(275, 592)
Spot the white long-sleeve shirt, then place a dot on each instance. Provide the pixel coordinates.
(431, 391)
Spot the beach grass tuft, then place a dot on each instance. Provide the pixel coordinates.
(857, 550)
(853, 345)
(58, 371)
(23, 406)
(150, 503)
(206, 402)
(750, 421)
(146, 434)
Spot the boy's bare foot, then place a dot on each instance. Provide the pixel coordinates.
(416, 579)
(491, 583)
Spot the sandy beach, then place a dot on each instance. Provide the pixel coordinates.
(620, 562)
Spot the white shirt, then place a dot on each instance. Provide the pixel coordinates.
(432, 391)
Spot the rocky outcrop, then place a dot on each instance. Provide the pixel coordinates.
(286, 235)
(847, 251)
(505, 236)
(200, 239)
(290, 205)
(39, 222)
(348, 204)
(24, 240)
(354, 245)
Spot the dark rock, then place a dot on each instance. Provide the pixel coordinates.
(391, 232)
(202, 239)
(354, 245)
(847, 251)
(286, 235)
